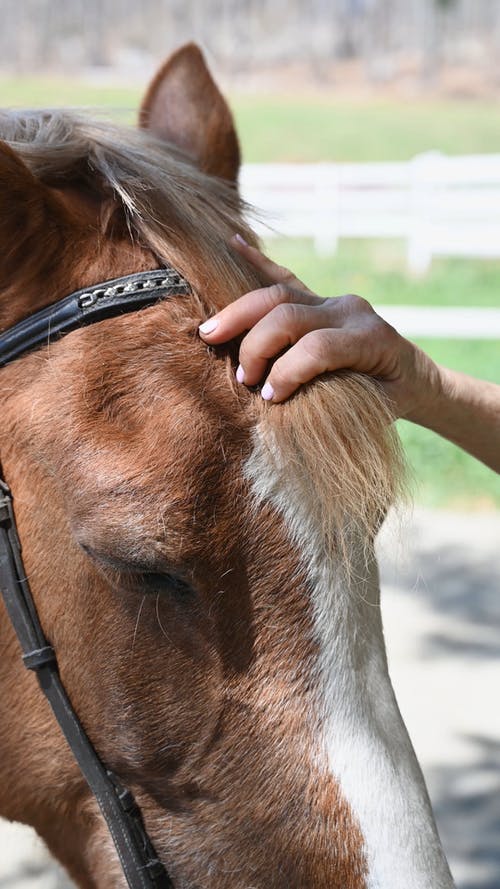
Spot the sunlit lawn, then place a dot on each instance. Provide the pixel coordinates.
(285, 129)
(22, 92)
(443, 474)
(378, 271)
(306, 130)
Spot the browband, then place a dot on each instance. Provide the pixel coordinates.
(91, 304)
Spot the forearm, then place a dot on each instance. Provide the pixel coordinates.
(467, 412)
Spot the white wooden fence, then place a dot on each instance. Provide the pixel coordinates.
(441, 205)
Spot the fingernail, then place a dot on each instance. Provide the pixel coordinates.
(240, 374)
(267, 392)
(241, 240)
(208, 326)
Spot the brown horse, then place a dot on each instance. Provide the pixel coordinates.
(202, 563)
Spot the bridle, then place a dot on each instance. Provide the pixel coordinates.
(140, 864)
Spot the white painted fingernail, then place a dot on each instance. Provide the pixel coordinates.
(208, 326)
(240, 374)
(240, 239)
(267, 392)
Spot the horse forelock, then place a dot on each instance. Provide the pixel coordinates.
(336, 445)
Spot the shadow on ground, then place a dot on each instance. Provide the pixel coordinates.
(467, 809)
(459, 580)
(447, 566)
(42, 874)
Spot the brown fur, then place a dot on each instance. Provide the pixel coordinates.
(124, 444)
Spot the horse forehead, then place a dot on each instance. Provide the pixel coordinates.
(170, 461)
(146, 382)
(171, 454)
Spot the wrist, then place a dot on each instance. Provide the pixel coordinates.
(433, 390)
(438, 410)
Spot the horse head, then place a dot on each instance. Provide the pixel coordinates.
(201, 562)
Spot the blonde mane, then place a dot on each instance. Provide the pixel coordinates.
(335, 438)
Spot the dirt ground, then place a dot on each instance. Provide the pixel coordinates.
(440, 580)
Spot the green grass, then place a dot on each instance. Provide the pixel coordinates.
(311, 130)
(443, 474)
(377, 270)
(27, 92)
(299, 129)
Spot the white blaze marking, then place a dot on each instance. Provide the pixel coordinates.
(367, 748)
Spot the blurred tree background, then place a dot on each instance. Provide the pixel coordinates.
(389, 38)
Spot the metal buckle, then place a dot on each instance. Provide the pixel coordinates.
(6, 514)
(39, 658)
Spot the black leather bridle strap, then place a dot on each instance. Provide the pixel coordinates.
(141, 867)
(115, 297)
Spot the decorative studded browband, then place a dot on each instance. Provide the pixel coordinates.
(140, 864)
(116, 297)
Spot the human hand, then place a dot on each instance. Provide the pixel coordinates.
(312, 335)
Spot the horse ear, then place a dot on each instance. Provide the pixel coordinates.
(183, 105)
(31, 224)
(15, 177)
(24, 199)
(23, 204)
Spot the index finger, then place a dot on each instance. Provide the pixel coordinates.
(271, 271)
(246, 311)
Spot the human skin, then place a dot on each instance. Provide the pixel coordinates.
(312, 335)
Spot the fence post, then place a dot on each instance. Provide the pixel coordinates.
(326, 209)
(424, 176)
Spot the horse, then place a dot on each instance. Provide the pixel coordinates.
(202, 562)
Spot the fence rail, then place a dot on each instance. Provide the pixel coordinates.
(440, 205)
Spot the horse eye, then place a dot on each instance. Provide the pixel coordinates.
(159, 582)
(143, 578)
